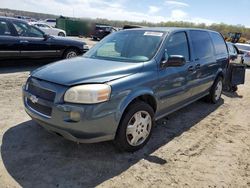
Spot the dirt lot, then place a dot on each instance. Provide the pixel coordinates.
(202, 145)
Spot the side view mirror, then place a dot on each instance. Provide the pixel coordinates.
(46, 37)
(173, 61)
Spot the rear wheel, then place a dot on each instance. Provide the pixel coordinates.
(70, 53)
(61, 34)
(216, 91)
(135, 127)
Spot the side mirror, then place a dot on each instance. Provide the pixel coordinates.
(173, 61)
(46, 37)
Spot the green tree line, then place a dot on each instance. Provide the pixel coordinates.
(221, 27)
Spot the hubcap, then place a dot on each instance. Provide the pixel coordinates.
(139, 127)
(218, 90)
(71, 54)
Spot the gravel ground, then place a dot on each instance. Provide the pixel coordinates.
(202, 145)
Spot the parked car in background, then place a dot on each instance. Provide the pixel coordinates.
(101, 31)
(236, 69)
(245, 51)
(49, 30)
(131, 26)
(20, 40)
(124, 83)
(50, 22)
(234, 54)
(28, 19)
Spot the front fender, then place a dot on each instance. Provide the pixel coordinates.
(133, 94)
(221, 72)
(126, 89)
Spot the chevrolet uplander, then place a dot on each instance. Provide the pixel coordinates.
(125, 82)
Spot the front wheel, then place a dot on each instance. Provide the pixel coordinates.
(70, 53)
(61, 34)
(135, 127)
(216, 91)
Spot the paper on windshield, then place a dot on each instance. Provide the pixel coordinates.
(150, 33)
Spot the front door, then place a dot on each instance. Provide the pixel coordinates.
(32, 42)
(173, 80)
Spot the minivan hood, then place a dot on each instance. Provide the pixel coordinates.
(82, 70)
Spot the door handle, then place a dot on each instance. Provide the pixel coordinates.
(197, 66)
(24, 41)
(191, 68)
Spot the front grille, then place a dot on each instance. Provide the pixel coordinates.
(41, 93)
(45, 110)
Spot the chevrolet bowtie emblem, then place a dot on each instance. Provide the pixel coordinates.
(33, 99)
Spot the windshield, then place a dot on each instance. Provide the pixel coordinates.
(127, 46)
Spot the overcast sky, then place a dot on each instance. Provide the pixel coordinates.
(198, 11)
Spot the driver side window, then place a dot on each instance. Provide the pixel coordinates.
(26, 30)
(178, 45)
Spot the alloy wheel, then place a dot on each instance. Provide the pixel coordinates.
(71, 55)
(139, 127)
(218, 90)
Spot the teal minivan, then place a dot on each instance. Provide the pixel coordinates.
(125, 82)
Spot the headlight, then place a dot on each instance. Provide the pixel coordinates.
(85, 47)
(88, 94)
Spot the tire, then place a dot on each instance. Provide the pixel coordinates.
(61, 34)
(70, 53)
(140, 130)
(216, 91)
(234, 88)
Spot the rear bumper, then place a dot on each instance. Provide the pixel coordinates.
(95, 125)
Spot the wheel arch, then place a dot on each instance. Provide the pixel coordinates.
(71, 47)
(58, 32)
(221, 73)
(146, 96)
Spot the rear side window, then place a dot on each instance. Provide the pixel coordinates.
(178, 45)
(219, 44)
(202, 44)
(4, 29)
(232, 49)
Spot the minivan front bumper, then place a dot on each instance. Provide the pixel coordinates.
(96, 122)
